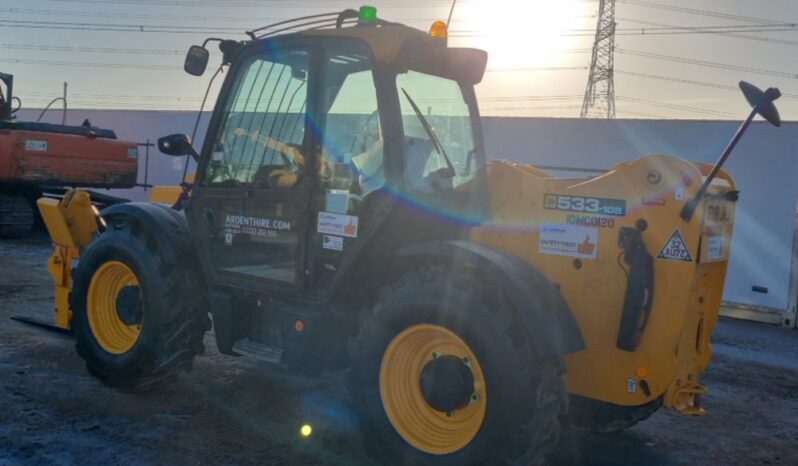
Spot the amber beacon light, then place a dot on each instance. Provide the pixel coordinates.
(438, 30)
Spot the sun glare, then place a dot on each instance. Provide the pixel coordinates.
(521, 33)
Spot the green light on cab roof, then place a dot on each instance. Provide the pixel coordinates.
(368, 13)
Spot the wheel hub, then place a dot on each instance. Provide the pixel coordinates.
(128, 305)
(447, 383)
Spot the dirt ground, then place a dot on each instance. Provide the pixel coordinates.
(236, 411)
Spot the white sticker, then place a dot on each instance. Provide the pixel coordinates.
(133, 152)
(335, 243)
(715, 249)
(569, 240)
(631, 385)
(36, 145)
(337, 224)
(676, 248)
(679, 194)
(228, 239)
(337, 201)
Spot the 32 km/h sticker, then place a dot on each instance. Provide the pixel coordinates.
(676, 248)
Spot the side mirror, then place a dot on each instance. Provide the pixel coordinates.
(196, 60)
(177, 145)
(762, 101)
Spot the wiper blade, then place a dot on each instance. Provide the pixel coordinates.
(436, 143)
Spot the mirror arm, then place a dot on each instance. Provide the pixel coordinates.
(690, 206)
(766, 99)
(194, 154)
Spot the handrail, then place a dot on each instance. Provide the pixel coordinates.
(311, 22)
(253, 32)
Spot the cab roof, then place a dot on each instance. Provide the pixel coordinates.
(385, 41)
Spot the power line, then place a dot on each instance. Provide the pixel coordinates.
(244, 4)
(692, 82)
(115, 27)
(710, 64)
(171, 29)
(696, 11)
(25, 61)
(543, 68)
(115, 15)
(685, 108)
(662, 31)
(725, 33)
(58, 48)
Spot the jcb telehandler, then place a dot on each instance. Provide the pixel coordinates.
(343, 216)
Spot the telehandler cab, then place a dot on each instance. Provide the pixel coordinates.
(343, 216)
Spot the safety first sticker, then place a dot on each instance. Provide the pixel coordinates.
(337, 224)
(676, 248)
(569, 240)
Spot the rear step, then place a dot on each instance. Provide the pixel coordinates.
(258, 351)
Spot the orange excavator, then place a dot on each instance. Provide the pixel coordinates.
(35, 157)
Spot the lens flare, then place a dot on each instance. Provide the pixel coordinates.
(306, 430)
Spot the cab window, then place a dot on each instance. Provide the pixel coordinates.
(352, 152)
(260, 142)
(440, 151)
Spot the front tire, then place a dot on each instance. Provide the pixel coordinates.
(139, 319)
(441, 376)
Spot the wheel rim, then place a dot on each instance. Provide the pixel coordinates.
(113, 334)
(417, 422)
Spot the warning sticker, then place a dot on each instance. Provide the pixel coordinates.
(337, 224)
(715, 249)
(676, 248)
(569, 240)
(335, 243)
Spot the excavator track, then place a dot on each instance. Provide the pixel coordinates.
(16, 216)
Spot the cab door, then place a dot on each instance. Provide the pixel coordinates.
(249, 207)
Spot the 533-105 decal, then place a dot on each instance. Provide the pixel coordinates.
(591, 205)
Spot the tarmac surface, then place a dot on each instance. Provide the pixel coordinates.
(237, 411)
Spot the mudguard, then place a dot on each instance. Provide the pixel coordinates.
(543, 311)
(168, 227)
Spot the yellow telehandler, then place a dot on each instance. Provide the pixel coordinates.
(343, 216)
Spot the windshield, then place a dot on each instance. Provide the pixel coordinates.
(438, 133)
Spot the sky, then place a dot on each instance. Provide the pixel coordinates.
(677, 59)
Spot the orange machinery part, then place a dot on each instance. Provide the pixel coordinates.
(67, 159)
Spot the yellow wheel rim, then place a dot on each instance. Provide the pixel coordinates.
(419, 424)
(108, 329)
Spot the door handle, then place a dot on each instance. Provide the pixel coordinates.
(210, 221)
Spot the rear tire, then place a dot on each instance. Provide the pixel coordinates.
(138, 319)
(521, 393)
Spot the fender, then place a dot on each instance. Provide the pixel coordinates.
(538, 302)
(168, 227)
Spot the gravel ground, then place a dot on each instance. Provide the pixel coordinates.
(236, 411)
